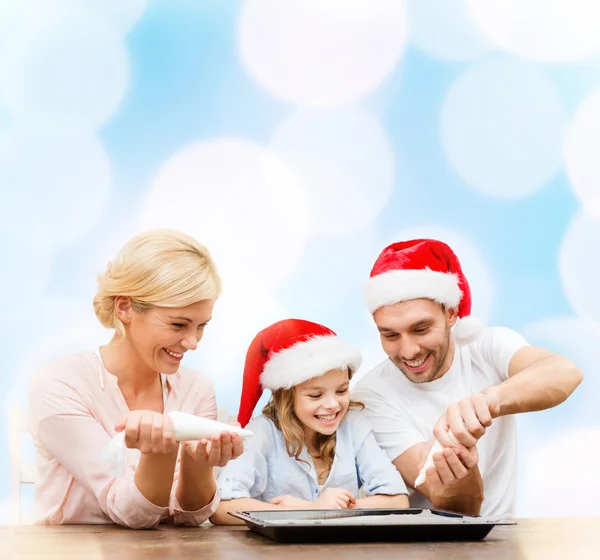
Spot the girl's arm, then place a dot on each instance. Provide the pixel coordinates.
(222, 517)
(399, 501)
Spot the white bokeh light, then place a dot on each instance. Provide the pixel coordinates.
(119, 14)
(321, 52)
(67, 70)
(579, 265)
(502, 127)
(443, 29)
(559, 475)
(240, 313)
(26, 272)
(63, 327)
(581, 153)
(471, 260)
(332, 271)
(56, 185)
(372, 355)
(542, 30)
(238, 199)
(578, 339)
(345, 162)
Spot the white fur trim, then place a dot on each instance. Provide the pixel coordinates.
(308, 359)
(468, 329)
(402, 285)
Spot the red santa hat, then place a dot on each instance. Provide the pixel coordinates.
(423, 268)
(288, 353)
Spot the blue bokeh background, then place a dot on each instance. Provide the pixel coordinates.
(453, 125)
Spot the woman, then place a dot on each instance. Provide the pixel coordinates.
(158, 296)
(310, 449)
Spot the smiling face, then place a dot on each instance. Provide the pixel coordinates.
(415, 334)
(321, 403)
(160, 336)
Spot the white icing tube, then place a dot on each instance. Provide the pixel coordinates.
(188, 427)
(436, 448)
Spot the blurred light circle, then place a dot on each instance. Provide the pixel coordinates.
(239, 315)
(471, 260)
(56, 185)
(541, 30)
(321, 52)
(577, 338)
(26, 271)
(579, 265)
(559, 477)
(581, 153)
(345, 162)
(67, 70)
(121, 15)
(240, 200)
(502, 127)
(444, 30)
(63, 326)
(331, 271)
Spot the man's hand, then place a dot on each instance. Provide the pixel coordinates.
(452, 465)
(467, 419)
(455, 483)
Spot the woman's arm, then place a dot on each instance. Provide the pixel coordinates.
(77, 441)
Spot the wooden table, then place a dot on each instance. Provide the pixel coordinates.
(544, 539)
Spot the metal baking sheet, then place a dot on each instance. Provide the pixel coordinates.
(410, 524)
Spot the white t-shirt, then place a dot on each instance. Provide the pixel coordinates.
(404, 413)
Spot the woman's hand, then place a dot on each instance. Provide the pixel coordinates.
(334, 498)
(148, 431)
(216, 451)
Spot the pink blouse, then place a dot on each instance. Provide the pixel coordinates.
(74, 403)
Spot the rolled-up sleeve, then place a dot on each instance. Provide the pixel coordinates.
(67, 430)
(246, 476)
(206, 408)
(376, 473)
(193, 518)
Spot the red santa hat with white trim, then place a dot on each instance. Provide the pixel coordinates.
(423, 268)
(288, 353)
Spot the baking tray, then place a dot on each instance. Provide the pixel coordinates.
(411, 524)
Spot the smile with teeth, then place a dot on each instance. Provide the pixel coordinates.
(174, 354)
(416, 363)
(326, 418)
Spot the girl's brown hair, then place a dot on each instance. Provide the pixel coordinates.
(280, 409)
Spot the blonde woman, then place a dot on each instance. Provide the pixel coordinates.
(158, 296)
(313, 448)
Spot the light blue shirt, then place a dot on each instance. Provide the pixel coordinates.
(265, 470)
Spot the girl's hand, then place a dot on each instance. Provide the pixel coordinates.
(335, 498)
(290, 502)
(148, 431)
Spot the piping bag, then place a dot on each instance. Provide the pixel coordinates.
(436, 448)
(188, 427)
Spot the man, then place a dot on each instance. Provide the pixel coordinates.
(451, 379)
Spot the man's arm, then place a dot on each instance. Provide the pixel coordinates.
(454, 484)
(537, 380)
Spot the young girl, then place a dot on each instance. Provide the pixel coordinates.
(313, 448)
